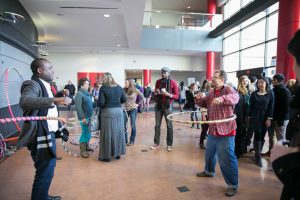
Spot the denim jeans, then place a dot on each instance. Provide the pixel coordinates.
(132, 115)
(223, 149)
(43, 175)
(159, 113)
(86, 133)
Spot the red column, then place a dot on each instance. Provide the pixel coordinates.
(147, 77)
(210, 56)
(288, 24)
(210, 64)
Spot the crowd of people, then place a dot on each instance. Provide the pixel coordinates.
(262, 105)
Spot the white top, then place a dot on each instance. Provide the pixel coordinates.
(182, 92)
(52, 112)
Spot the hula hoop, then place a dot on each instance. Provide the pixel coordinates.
(170, 117)
(73, 143)
(6, 93)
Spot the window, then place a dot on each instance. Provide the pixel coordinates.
(233, 30)
(254, 34)
(271, 53)
(273, 26)
(273, 8)
(246, 2)
(253, 19)
(253, 57)
(231, 62)
(231, 43)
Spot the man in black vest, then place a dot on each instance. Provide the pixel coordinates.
(39, 136)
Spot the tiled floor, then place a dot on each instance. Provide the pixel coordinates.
(140, 175)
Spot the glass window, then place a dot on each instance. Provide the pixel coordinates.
(273, 8)
(271, 53)
(253, 57)
(231, 44)
(235, 29)
(226, 11)
(231, 62)
(246, 2)
(234, 6)
(254, 34)
(253, 19)
(273, 26)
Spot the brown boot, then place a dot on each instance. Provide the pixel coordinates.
(88, 148)
(83, 152)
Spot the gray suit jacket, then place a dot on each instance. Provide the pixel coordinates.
(31, 101)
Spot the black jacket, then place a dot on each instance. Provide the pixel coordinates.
(281, 104)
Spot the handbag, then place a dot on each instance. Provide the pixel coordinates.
(94, 121)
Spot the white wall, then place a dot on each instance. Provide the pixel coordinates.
(67, 65)
(12, 57)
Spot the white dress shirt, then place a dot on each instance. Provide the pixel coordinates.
(52, 112)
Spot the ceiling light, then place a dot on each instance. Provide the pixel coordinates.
(11, 17)
(106, 15)
(156, 26)
(118, 45)
(189, 7)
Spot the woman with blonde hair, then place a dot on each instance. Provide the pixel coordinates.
(112, 138)
(241, 111)
(130, 106)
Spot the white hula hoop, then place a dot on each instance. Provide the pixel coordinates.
(170, 117)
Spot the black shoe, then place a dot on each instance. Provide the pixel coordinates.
(54, 197)
(105, 160)
(118, 157)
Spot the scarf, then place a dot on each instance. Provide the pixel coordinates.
(162, 100)
(45, 144)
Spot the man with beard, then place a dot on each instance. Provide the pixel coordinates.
(166, 90)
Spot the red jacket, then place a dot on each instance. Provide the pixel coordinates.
(173, 89)
(229, 98)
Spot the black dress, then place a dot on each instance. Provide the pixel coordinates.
(261, 108)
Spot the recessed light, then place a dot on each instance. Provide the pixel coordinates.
(157, 26)
(189, 7)
(118, 45)
(106, 15)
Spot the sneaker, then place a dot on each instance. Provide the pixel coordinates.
(129, 144)
(169, 148)
(202, 174)
(155, 146)
(231, 192)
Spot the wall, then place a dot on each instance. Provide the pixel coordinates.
(12, 57)
(67, 65)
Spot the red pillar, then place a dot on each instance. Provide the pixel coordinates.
(210, 64)
(288, 24)
(210, 56)
(147, 77)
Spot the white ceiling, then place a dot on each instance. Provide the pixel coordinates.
(71, 26)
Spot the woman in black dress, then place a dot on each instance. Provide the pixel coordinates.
(260, 114)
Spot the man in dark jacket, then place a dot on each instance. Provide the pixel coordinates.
(281, 111)
(39, 136)
(166, 90)
(286, 161)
